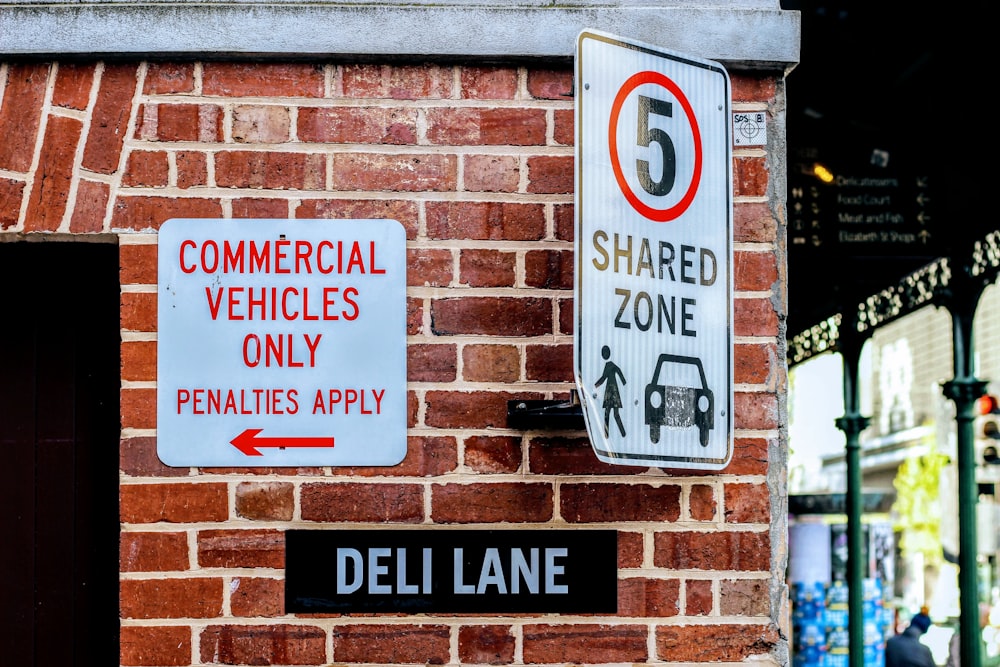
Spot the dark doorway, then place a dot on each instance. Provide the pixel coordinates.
(59, 433)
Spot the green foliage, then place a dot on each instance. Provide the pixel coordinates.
(917, 508)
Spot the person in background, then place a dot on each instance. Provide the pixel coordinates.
(905, 649)
(954, 646)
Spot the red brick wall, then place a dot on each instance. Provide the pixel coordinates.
(477, 164)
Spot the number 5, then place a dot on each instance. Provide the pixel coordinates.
(645, 136)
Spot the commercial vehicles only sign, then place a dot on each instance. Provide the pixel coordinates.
(653, 285)
(281, 343)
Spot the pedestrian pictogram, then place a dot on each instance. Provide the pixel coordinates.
(653, 300)
(612, 394)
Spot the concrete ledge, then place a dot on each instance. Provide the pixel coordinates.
(739, 38)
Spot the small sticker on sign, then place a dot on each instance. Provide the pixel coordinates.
(749, 128)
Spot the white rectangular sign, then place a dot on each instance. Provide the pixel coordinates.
(653, 282)
(281, 342)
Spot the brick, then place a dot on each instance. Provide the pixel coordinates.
(241, 548)
(491, 503)
(550, 174)
(170, 598)
(90, 207)
(749, 457)
(141, 213)
(138, 311)
(426, 456)
(429, 267)
(358, 125)
(550, 84)
(754, 317)
(755, 411)
(168, 646)
(564, 128)
(138, 360)
(491, 363)
(753, 87)
(256, 79)
(753, 363)
(402, 210)
(394, 172)
(714, 643)
(755, 271)
(565, 223)
(109, 119)
(741, 551)
(265, 501)
(747, 503)
(259, 207)
(656, 598)
(153, 552)
(488, 83)
(137, 264)
(466, 409)
(21, 114)
(549, 269)
(548, 363)
(586, 503)
(494, 221)
(479, 267)
(698, 597)
(392, 644)
(492, 316)
(750, 176)
(431, 363)
(137, 458)
(504, 126)
(167, 78)
(47, 201)
(584, 643)
(701, 502)
(184, 502)
(275, 644)
(73, 83)
(570, 456)
(352, 501)
(138, 408)
(257, 597)
(486, 644)
(745, 597)
(180, 122)
(413, 82)
(364, 80)
(414, 317)
(491, 173)
(493, 454)
(192, 170)
(261, 124)
(754, 223)
(146, 169)
(11, 195)
(630, 548)
(271, 171)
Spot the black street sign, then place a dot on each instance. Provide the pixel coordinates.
(451, 571)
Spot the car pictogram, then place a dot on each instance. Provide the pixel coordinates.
(686, 402)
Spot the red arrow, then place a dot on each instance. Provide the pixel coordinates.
(248, 442)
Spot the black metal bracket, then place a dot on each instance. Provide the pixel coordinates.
(546, 414)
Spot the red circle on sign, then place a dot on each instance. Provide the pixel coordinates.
(654, 214)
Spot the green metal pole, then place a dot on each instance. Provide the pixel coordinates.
(852, 423)
(964, 390)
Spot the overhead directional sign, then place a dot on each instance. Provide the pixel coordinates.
(281, 343)
(653, 288)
